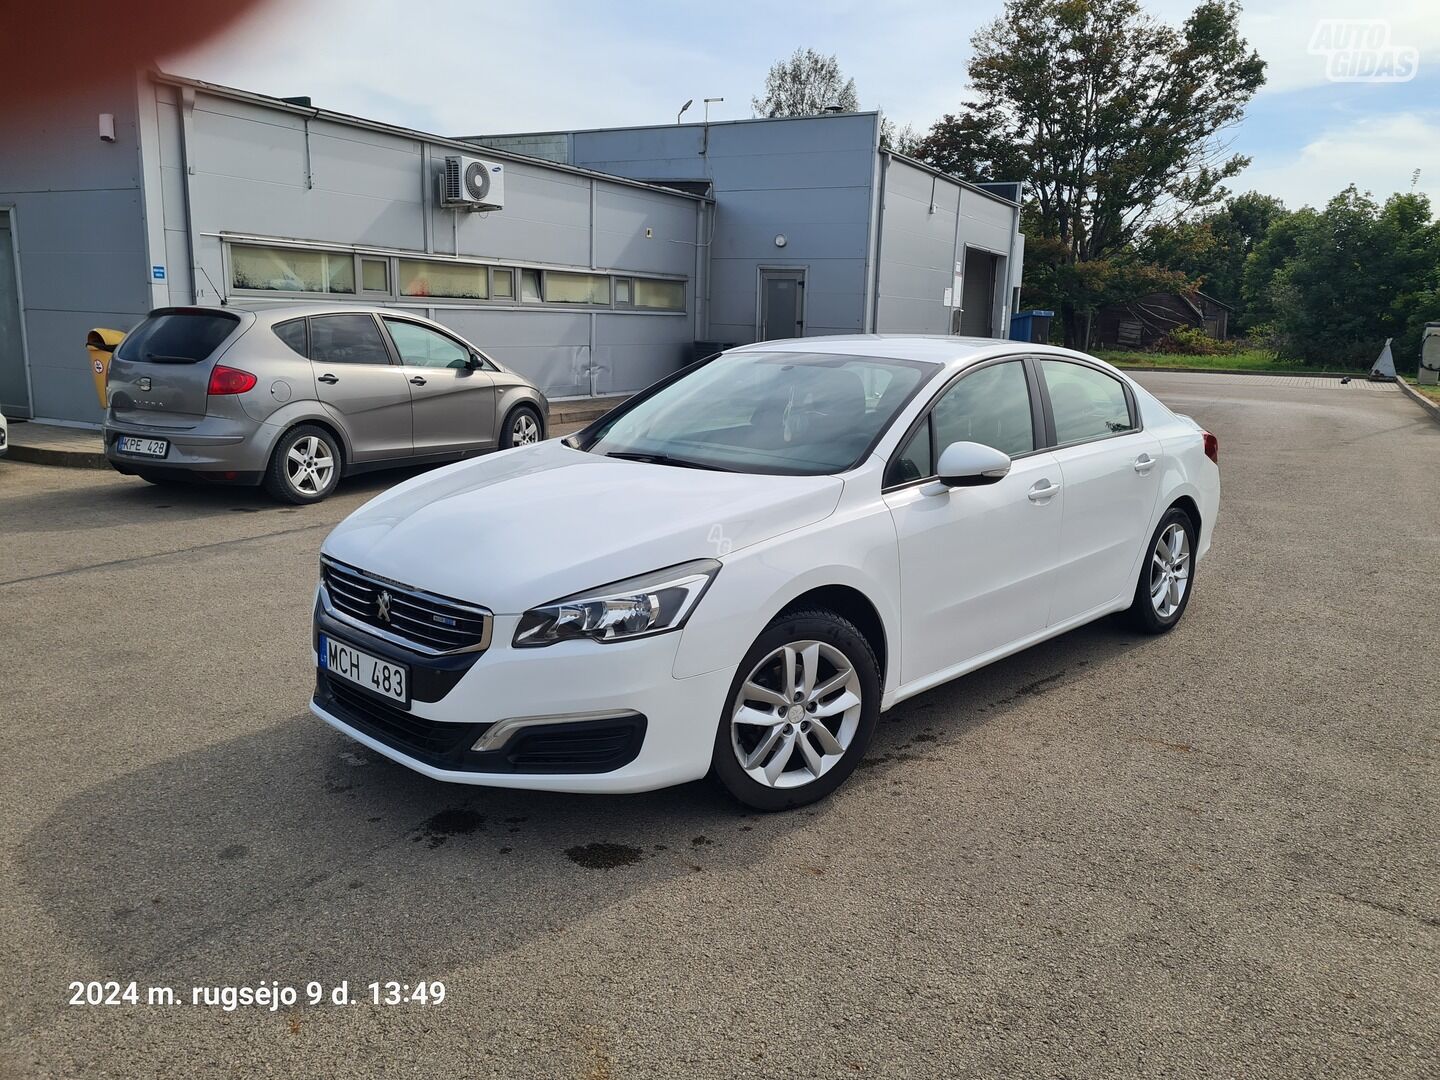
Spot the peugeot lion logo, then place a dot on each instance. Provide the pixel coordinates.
(382, 606)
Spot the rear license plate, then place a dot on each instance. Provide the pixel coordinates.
(132, 444)
(374, 674)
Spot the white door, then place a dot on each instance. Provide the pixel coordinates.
(976, 563)
(1111, 475)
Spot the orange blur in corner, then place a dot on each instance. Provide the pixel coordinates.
(67, 46)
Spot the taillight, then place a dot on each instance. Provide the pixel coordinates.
(1212, 448)
(229, 380)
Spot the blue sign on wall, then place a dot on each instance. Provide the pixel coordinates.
(158, 273)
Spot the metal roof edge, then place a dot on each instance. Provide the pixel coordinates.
(969, 185)
(663, 127)
(235, 94)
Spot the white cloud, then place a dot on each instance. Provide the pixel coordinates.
(1376, 153)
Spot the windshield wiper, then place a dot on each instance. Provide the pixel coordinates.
(666, 459)
(161, 358)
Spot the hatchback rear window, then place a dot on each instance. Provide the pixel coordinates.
(177, 337)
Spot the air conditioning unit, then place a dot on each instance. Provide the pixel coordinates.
(472, 184)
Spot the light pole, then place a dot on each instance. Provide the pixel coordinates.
(683, 108)
(708, 100)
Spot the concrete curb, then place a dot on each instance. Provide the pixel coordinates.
(48, 455)
(1420, 399)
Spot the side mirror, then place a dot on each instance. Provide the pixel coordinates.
(474, 363)
(971, 464)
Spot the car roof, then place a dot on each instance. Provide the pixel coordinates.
(941, 349)
(273, 311)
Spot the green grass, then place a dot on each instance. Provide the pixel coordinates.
(1249, 360)
(1431, 392)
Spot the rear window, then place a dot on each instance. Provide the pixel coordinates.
(177, 337)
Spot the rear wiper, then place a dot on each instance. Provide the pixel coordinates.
(160, 358)
(666, 459)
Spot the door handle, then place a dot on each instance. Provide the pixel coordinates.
(328, 378)
(1043, 491)
(417, 380)
(1144, 463)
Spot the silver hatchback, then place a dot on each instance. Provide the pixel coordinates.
(295, 397)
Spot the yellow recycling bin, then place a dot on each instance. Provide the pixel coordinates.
(100, 343)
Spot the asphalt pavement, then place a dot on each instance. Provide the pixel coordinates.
(1211, 854)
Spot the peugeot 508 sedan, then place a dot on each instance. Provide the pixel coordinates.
(294, 397)
(739, 569)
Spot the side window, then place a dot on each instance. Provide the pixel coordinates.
(292, 333)
(916, 461)
(346, 339)
(419, 346)
(989, 406)
(1087, 403)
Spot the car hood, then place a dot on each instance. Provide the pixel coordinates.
(530, 525)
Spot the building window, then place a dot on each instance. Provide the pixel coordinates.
(375, 275)
(502, 284)
(622, 292)
(564, 288)
(530, 286)
(453, 281)
(292, 270)
(660, 295)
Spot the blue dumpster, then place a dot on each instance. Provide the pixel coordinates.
(1031, 326)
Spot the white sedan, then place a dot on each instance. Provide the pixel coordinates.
(739, 569)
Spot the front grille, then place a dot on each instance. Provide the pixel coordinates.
(431, 741)
(579, 748)
(564, 747)
(430, 623)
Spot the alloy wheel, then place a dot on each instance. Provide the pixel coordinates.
(309, 465)
(524, 430)
(796, 714)
(1170, 570)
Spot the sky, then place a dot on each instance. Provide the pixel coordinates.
(462, 68)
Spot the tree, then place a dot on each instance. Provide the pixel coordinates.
(1359, 273)
(806, 84)
(1212, 248)
(1111, 119)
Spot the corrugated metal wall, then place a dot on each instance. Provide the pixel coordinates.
(928, 221)
(368, 188)
(78, 230)
(810, 180)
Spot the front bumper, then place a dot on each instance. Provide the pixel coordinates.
(577, 716)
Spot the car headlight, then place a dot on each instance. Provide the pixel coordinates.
(635, 607)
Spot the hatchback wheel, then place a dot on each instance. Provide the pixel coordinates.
(305, 466)
(1167, 574)
(522, 427)
(801, 712)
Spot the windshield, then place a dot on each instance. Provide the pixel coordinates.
(789, 413)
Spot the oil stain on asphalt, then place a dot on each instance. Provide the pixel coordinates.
(452, 821)
(602, 856)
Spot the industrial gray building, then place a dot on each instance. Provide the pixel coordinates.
(608, 257)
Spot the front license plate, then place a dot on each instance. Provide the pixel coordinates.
(133, 444)
(378, 676)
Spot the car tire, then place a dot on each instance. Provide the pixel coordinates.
(782, 738)
(1167, 569)
(304, 466)
(522, 427)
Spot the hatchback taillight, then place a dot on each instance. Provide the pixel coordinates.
(1212, 448)
(229, 380)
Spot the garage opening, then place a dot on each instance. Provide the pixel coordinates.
(977, 295)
